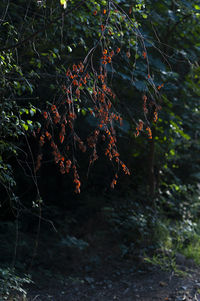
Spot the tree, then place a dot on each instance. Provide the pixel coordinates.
(89, 78)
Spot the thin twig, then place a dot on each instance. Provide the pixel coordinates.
(43, 29)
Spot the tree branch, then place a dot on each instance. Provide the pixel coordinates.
(43, 29)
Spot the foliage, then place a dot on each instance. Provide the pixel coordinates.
(12, 284)
(73, 242)
(15, 119)
(124, 52)
(166, 263)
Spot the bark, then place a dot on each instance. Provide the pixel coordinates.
(151, 171)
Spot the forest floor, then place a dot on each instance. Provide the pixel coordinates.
(99, 273)
(117, 281)
(105, 278)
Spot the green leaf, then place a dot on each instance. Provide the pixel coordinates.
(25, 126)
(69, 48)
(144, 16)
(64, 3)
(140, 85)
(32, 111)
